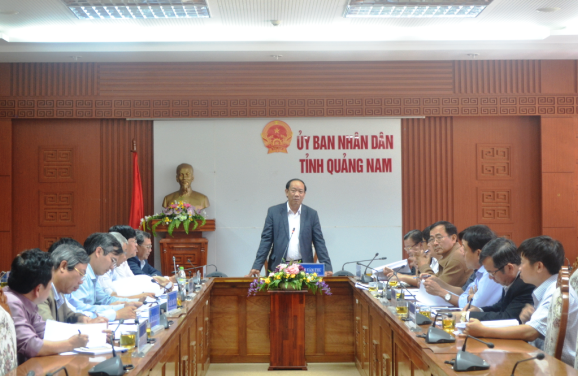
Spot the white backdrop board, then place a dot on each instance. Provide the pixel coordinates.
(359, 207)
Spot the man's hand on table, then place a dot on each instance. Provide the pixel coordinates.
(433, 288)
(254, 273)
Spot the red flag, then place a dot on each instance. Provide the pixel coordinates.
(136, 205)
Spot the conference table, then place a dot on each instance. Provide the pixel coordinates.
(221, 324)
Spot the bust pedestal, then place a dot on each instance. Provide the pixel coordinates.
(187, 249)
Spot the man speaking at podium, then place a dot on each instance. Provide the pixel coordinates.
(291, 228)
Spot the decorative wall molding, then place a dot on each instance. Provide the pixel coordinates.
(248, 107)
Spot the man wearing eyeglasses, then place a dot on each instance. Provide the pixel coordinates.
(69, 267)
(103, 250)
(502, 262)
(452, 266)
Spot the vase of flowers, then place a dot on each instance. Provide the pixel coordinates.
(290, 276)
(176, 214)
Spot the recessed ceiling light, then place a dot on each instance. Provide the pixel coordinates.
(144, 9)
(474, 56)
(415, 8)
(8, 13)
(75, 58)
(547, 9)
(276, 56)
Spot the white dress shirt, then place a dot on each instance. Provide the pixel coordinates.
(293, 251)
(542, 296)
(123, 270)
(489, 291)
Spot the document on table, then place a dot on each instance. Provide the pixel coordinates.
(59, 331)
(399, 266)
(430, 300)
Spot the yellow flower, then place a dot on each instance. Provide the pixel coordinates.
(320, 279)
(278, 276)
(302, 273)
(314, 274)
(267, 280)
(262, 278)
(292, 275)
(308, 279)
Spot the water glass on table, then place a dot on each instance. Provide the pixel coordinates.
(402, 309)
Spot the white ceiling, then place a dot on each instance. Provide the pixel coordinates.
(310, 30)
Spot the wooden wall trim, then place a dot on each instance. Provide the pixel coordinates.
(427, 172)
(305, 106)
(116, 175)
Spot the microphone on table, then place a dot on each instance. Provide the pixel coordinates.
(112, 366)
(345, 273)
(466, 361)
(437, 335)
(287, 248)
(216, 273)
(419, 318)
(32, 373)
(370, 278)
(365, 278)
(540, 356)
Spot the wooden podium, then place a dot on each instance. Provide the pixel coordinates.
(287, 330)
(187, 249)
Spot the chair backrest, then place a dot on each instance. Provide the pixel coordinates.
(4, 303)
(574, 280)
(558, 317)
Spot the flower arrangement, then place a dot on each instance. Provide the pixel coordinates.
(289, 276)
(173, 216)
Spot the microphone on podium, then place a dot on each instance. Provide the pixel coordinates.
(540, 356)
(287, 248)
(345, 273)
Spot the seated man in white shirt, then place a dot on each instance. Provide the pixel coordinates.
(480, 289)
(542, 258)
(122, 270)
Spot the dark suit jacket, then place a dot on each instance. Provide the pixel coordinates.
(276, 233)
(134, 264)
(511, 304)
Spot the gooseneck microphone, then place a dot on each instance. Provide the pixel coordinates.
(437, 335)
(112, 366)
(540, 356)
(345, 273)
(167, 289)
(466, 361)
(365, 278)
(31, 373)
(287, 248)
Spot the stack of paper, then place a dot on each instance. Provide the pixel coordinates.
(59, 331)
(430, 300)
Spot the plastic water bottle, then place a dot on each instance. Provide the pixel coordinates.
(181, 277)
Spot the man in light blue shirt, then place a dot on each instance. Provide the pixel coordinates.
(480, 288)
(542, 258)
(90, 298)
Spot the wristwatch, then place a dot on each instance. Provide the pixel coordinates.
(447, 297)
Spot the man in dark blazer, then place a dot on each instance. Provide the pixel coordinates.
(290, 230)
(502, 261)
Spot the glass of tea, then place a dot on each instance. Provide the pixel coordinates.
(127, 339)
(449, 323)
(402, 309)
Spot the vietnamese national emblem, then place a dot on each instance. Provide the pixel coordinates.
(277, 136)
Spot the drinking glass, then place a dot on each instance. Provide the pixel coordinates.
(127, 339)
(402, 309)
(449, 323)
(426, 311)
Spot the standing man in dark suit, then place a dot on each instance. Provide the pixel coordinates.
(502, 261)
(290, 229)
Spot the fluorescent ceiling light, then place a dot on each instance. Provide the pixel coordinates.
(144, 9)
(415, 8)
